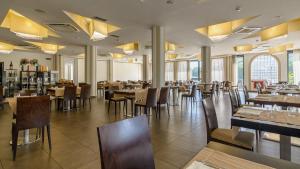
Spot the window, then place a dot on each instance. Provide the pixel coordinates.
(169, 71)
(182, 70)
(239, 70)
(124, 71)
(102, 70)
(194, 70)
(294, 67)
(217, 70)
(265, 67)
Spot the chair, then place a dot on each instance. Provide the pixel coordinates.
(163, 99)
(27, 92)
(191, 95)
(126, 144)
(243, 139)
(69, 97)
(234, 101)
(31, 112)
(85, 94)
(111, 98)
(246, 94)
(150, 101)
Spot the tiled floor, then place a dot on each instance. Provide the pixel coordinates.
(75, 146)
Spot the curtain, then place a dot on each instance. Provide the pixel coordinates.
(182, 70)
(217, 70)
(169, 71)
(296, 67)
(102, 70)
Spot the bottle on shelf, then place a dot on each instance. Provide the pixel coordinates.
(11, 66)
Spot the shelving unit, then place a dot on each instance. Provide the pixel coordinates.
(11, 81)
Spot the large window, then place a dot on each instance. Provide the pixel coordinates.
(217, 70)
(195, 70)
(294, 67)
(182, 70)
(169, 71)
(265, 67)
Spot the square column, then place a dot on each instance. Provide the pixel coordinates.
(158, 56)
(145, 67)
(206, 64)
(90, 68)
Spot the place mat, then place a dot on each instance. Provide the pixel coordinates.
(198, 165)
(219, 160)
(281, 116)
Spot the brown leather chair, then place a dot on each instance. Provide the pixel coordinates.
(150, 101)
(85, 94)
(69, 97)
(31, 112)
(163, 99)
(243, 139)
(126, 144)
(191, 96)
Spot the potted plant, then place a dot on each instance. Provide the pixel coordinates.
(23, 62)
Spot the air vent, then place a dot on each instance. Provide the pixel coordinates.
(115, 36)
(62, 27)
(247, 30)
(100, 19)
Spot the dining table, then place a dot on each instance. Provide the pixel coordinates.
(220, 156)
(282, 122)
(59, 91)
(279, 100)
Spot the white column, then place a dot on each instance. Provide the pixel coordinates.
(57, 65)
(206, 64)
(188, 70)
(75, 77)
(158, 56)
(145, 67)
(175, 71)
(110, 70)
(90, 67)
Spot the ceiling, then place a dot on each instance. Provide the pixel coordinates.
(135, 18)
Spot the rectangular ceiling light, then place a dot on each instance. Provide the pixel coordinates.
(243, 48)
(48, 48)
(278, 31)
(281, 48)
(170, 47)
(96, 29)
(25, 27)
(129, 48)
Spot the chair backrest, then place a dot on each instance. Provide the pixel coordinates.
(194, 91)
(85, 92)
(151, 97)
(109, 94)
(81, 84)
(163, 95)
(233, 100)
(210, 116)
(33, 112)
(238, 97)
(126, 144)
(258, 88)
(246, 94)
(70, 92)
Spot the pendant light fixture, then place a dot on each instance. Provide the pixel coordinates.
(129, 48)
(48, 48)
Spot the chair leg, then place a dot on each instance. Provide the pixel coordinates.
(108, 106)
(15, 142)
(43, 134)
(168, 108)
(49, 136)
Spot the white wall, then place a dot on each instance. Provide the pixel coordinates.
(81, 70)
(16, 56)
(102, 70)
(127, 71)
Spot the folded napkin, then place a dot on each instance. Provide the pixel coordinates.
(198, 165)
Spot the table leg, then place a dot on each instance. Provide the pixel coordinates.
(285, 147)
(26, 136)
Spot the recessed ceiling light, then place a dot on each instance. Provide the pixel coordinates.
(39, 11)
(238, 9)
(170, 2)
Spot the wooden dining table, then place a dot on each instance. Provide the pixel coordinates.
(59, 91)
(217, 155)
(282, 122)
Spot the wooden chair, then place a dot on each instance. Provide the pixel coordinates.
(233, 101)
(69, 97)
(110, 96)
(191, 96)
(246, 95)
(163, 99)
(243, 139)
(85, 94)
(150, 101)
(126, 144)
(31, 112)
